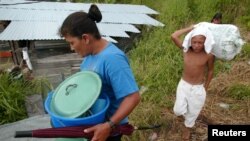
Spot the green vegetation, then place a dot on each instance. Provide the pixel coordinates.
(12, 93)
(245, 52)
(157, 63)
(155, 60)
(12, 96)
(239, 91)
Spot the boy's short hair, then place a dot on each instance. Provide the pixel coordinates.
(218, 15)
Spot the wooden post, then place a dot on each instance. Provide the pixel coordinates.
(14, 56)
(18, 52)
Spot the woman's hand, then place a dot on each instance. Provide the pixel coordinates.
(101, 131)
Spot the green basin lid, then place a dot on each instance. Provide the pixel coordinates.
(76, 94)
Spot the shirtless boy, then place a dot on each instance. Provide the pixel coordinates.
(197, 74)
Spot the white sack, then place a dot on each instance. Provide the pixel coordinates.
(228, 42)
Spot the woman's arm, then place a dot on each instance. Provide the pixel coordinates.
(126, 107)
(102, 131)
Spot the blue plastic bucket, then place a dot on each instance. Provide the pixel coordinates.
(97, 114)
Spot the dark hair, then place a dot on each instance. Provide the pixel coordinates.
(79, 23)
(23, 43)
(217, 16)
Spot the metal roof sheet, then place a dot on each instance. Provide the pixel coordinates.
(45, 15)
(110, 39)
(7, 2)
(32, 20)
(67, 6)
(26, 30)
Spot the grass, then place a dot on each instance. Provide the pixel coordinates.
(245, 52)
(12, 96)
(157, 63)
(41, 85)
(239, 91)
(12, 93)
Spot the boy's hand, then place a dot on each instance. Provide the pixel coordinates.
(192, 26)
(176, 35)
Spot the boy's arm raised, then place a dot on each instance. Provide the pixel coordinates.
(176, 36)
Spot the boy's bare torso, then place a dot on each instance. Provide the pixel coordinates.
(195, 65)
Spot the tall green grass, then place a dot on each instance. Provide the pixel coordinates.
(156, 61)
(12, 96)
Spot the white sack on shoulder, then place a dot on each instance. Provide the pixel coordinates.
(228, 42)
(199, 30)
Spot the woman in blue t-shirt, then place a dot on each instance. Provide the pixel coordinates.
(112, 65)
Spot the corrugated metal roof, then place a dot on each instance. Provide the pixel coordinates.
(45, 15)
(118, 8)
(110, 39)
(26, 30)
(6, 2)
(41, 20)
(22, 30)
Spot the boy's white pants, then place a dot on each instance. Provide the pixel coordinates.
(189, 101)
(26, 57)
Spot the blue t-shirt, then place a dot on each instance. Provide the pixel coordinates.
(113, 67)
